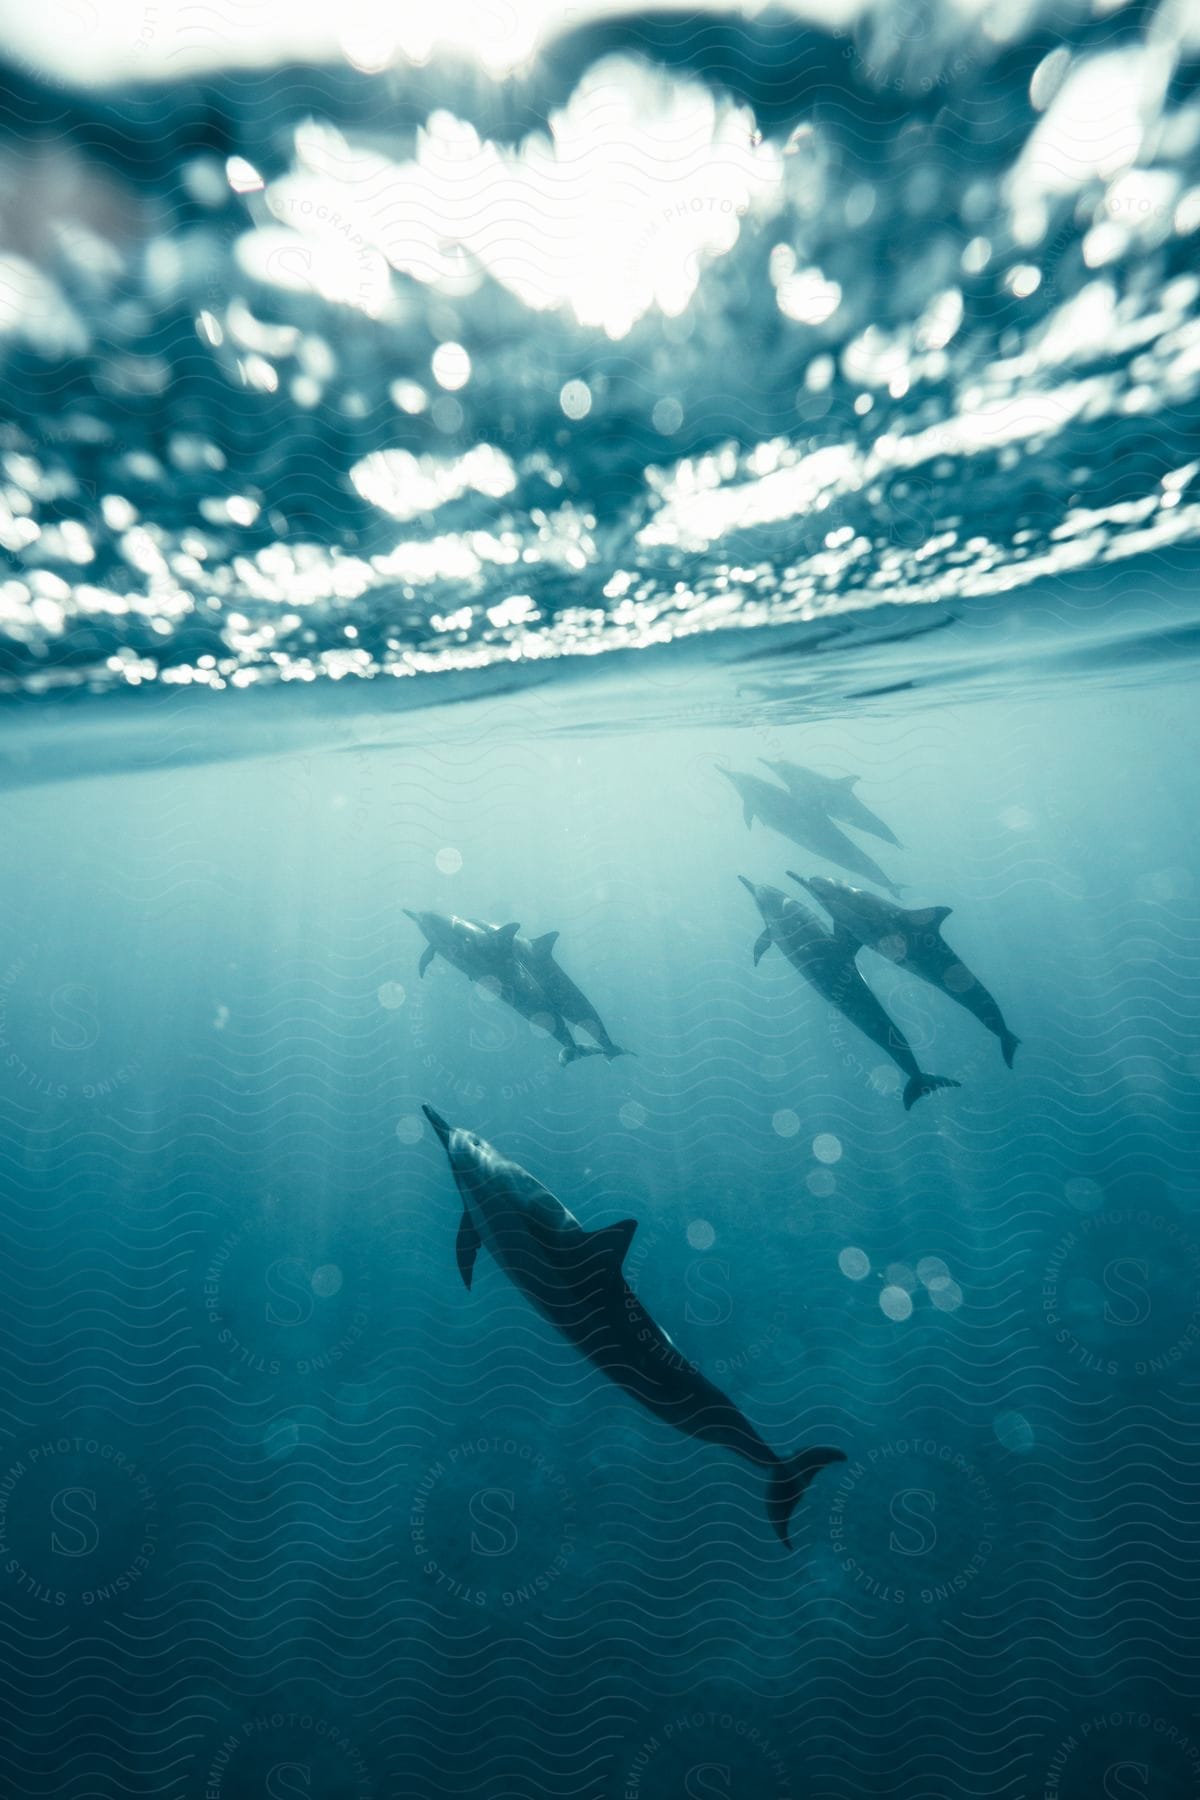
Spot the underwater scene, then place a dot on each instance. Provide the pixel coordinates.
(600, 922)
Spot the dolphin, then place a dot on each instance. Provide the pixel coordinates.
(833, 792)
(485, 953)
(806, 823)
(914, 939)
(566, 999)
(574, 1279)
(826, 959)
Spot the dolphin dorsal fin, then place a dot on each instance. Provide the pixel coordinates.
(613, 1240)
(506, 933)
(929, 915)
(544, 945)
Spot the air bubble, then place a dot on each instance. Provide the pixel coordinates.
(451, 366)
(1084, 1193)
(576, 399)
(1014, 1431)
(896, 1303)
(899, 1275)
(945, 1294)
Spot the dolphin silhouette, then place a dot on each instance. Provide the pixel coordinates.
(806, 823)
(835, 794)
(574, 1279)
(827, 961)
(913, 938)
(485, 953)
(565, 998)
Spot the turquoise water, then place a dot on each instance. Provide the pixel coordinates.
(422, 483)
(281, 1494)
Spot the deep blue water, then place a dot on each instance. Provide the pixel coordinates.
(267, 1460)
(377, 536)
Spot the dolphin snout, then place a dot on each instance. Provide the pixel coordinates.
(439, 1124)
(750, 886)
(805, 881)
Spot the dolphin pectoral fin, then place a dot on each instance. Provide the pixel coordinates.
(747, 814)
(761, 945)
(848, 942)
(427, 956)
(466, 1248)
(544, 945)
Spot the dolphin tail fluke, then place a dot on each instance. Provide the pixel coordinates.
(1008, 1046)
(788, 1479)
(572, 1052)
(611, 1050)
(925, 1084)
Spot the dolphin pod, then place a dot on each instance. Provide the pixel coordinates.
(525, 975)
(826, 959)
(804, 819)
(574, 1279)
(912, 938)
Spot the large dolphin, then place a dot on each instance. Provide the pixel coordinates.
(826, 959)
(485, 953)
(913, 938)
(806, 823)
(834, 793)
(574, 1279)
(565, 998)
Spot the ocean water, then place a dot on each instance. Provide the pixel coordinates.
(401, 511)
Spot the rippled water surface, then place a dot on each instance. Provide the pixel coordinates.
(662, 398)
